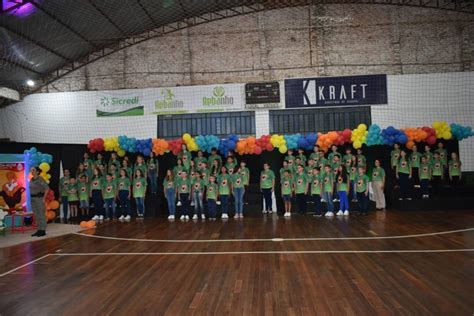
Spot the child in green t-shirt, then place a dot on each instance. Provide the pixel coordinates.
(302, 157)
(378, 185)
(333, 153)
(327, 178)
(110, 193)
(141, 165)
(230, 165)
(290, 158)
(315, 155)
(415, 158)
(403, 174)
(212, 195)
(84, 191)
(123, 187)
(224, 191)
(437, 173)
(267, 186)
(343, 184)
(362, 191)
(73, 197)
(139, 185)
(287, 191)
(361, 160)
(169, 188)
(454, 170)
(238, 180)
(96, 184)
(424, 173)
(347, 159)
(197, 192)
(394, 156)
(316, 191)
(301, 189)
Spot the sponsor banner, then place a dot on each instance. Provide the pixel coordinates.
(262, 95)
(12, 184)
(198, 99)
(336, 91)
(120, 103)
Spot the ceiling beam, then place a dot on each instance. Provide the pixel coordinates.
(7, 61)
(145, 10)
(65, 25)
(35, 42)
(124, 34)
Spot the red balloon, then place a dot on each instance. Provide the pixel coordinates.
(431, 140)
(269, 147)
(258, 150)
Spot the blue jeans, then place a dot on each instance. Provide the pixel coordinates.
(239, 200)
(124, 202)
(198, 203)
(64, 201)
(110, 208)
(425, 186)
(184, 198)
(301, 201)
(317, 203)
(140, 201)
(352, 192)
(224, 203)
(171, 199)
(363, 202)
(404, 183)
(153, 177)
(343, 201)
(267, 195)
(98, 202)
(328, 198)
(211, 208)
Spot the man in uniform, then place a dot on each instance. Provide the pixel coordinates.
(38, 190)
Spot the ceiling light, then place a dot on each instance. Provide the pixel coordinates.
(30, 83)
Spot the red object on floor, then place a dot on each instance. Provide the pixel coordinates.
(22, 228)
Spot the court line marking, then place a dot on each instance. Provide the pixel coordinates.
(24, 265)
(283, 252)
(275, 239)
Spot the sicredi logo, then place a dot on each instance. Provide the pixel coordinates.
(168, 101)
(110, 101)
(218, 98)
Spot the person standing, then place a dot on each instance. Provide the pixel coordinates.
(139, 191)
(123, 187)
(169, 187)
(63, 189)
(238, 181)
(403, 173)
(287, 191)
(224, 192)
(183, 189)
(342, 187)
(301, 189)
(267, 186)
(378, 185)
(316, 191)
(454, 171)
(362, 189)
(38, 190)
(152, 166)
(328, 188)
(424, 173)
(415, 158)
(197, 193)
(96, 185)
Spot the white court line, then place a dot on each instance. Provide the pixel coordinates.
(277, 238)
(283, 252)
(23, 266)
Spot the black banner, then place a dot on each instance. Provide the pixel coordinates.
(336, 91)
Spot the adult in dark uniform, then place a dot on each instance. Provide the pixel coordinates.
(38, 190)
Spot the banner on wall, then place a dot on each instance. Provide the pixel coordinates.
(336, 91)
(262, 95)
(198, 99)
(12, 184)
(120, 103)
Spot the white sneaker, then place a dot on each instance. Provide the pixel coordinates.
(187, 217)
(270, 211)
(192, 204)
(203, 216)
(107, 219)
(409, 199)
(225, 216)
(121, 218)
(400, 199)
(179, 203)
(236, 216)
(334, 200)
(127, 218)
(96, 217)
(339, 213)
(195, 217)
(241, 215)
(182, 217)
(171, 217)
(329, 214)
(264, 212)
(287, 214)
(101, 217)
(346, 213)
(323, 201)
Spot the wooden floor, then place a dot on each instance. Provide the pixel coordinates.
(413, 263)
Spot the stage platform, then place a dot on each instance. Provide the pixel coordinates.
(392, 262)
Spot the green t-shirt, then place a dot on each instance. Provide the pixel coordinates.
(323, 162)
(63, 185)
(72, 195)
(291, 160)
(83, 189)
(362, 181)
(347, 160)
(394, 156)
(378, 173)
(100, 162)
(238, 179)
(168, 184)
(443, 155)
(183, 185)
(129, 172)
(302, 159)
(186, 159)
(224, 184)
(97, 183)
(332, 155)
(286, 185)
(341, 186)
(230, 167)
(152, 165)
(198, 161)
(142, 167)
(315, 156)
(177, 170)
(429, 156)
(328, 181)
(115, 162)
(301, 183)
(211, 192)
(266, 179)
(425, 171)
(437, 168)
(454, 168)
(335, 165)
(352, 173)
(139, 187)
(404, 166)
(415, 159)
(198, 184)
(316, 185)
(214, 157)
(123, 184)
(247, 175)
(282, 172)
(361, 161)
(110, 188)
(309, 170)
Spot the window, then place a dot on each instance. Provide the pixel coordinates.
(219, 124)
(318, 120)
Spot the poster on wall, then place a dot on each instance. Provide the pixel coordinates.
(12, 185)
(198, 99)
(262, 95)
(120, 103)
(336, 91)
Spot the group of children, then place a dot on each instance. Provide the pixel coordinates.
(319, 178)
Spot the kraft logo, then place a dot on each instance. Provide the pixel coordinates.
(312, 92)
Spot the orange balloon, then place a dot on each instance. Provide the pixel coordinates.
(53, 205)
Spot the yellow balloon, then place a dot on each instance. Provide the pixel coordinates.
(186, 137)
(44, 166)
(121, 153)
(283, 149)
